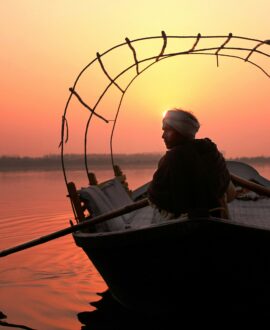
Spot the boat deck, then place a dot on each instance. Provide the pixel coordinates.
(252, 213)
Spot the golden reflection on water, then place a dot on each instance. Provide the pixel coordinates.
(45, 287)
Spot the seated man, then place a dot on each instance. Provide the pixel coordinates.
(192, 177)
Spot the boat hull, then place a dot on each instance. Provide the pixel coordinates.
(182, 262)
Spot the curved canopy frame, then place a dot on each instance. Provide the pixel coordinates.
(222, 49)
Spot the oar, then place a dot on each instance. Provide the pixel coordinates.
(261, 190)
(123, 210)
(101, 218)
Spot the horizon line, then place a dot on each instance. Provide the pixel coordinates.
(116, 154)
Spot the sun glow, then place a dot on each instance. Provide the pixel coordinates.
(46, 44)
(164, 113)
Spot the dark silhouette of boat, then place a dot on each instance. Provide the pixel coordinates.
(146, 266)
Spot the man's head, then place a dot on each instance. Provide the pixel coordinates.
(179, 125)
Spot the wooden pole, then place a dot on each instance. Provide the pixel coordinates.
(101, 218)
(261, 190)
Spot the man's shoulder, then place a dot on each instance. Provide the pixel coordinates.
(192, 145)
(205, 145)
(204, 141)
(182, 153)
(192, 149)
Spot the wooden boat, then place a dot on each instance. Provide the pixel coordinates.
(150, 265)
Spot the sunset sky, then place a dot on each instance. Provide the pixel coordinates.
(45, 44)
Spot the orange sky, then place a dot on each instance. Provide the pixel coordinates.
(46, 43)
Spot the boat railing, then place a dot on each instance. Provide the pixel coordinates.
(114, 193)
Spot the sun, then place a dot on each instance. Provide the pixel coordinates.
(164, 113)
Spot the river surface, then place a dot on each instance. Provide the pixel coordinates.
(45, 287)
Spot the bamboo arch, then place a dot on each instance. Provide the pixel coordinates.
(254, 46)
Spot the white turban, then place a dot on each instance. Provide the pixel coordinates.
(182, 121)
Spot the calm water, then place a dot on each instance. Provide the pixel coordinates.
(45, 287)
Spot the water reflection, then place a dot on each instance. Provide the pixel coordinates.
(12, 325)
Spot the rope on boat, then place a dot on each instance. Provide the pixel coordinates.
(196, 42)
(222, 46)
(164, 45)
(87, 106)
(256, 47)
(134, 55)
(106, 73)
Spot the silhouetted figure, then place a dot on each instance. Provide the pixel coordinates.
(192, 177)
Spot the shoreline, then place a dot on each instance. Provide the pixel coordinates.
(97, 161)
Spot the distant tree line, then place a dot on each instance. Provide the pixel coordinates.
(76, 162)
(252, 160)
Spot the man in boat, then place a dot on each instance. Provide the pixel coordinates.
(192, 177)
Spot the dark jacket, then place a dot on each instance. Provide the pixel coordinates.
(191, 176)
